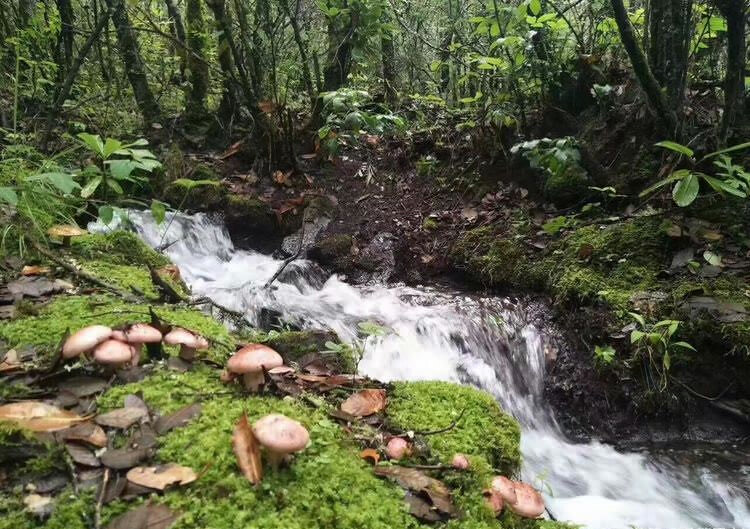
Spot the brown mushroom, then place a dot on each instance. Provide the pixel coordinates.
(65, 232)
(460, 462)
(137, 335)
(189, 342)
(397, 448)
(250, 362)
(114, 353)
(281, 436)
(84, 340)
(494, 501)
(529, 503)
(505, 487)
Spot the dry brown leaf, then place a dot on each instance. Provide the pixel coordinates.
(370, 454)
(122, 417)
(232, 150)
(417, 481)
(247, 450)
(267, 107)
(171, 271)
(162, 476)
(365, 402)
(35, 270)
(86, 432)
(38, 416)
(10, 362)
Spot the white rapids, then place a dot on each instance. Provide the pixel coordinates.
(484, 342)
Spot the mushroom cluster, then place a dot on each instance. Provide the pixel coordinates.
(121, 348)
(250, 362)
(521, 498)
(280, 436)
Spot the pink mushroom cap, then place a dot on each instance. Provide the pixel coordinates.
(529, 503)
(114, 353)
(505, 487)
(139, 333)
(280, 434)
(85, 340)
(397, 448)
(460, 461)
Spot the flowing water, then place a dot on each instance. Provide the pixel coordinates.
(489, 343)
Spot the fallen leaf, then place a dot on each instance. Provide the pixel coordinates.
(585, 252)
(35, 270)
(122, 458)
(121, 418)
(365, 402)
(86, 432)
(282, 178)
(682, 258)
(470, 215)
(81, 455)
(370, 454)
(267, 107)
(145, 517)
(38, 416)
(10, 362)
(421, 508)
(82, 386)
(673, 230)
(36, 286)
(162, 476)
(232, 150)
(247, 450)
(417, 481)
(177, 419)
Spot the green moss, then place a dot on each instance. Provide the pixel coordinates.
(567, 187)
(123, 276)
(484, 429)
(117, 247)
(250, 215)
(430, 224)
(72, 511)
(333, 251)
(293, 345)
(46, 329)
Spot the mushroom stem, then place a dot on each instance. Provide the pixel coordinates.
(275, 458)
(187, 353)
(253, 381)
(66, 241)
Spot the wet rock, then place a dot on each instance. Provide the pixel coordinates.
(379, 257)
(251, 222)
(316, 217)
(335, 251)
(303, 275)
(209, 196)
(293, 345)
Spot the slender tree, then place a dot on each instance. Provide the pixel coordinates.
(197, 67)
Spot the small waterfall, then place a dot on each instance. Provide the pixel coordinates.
(485, 342)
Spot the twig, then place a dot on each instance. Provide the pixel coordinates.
(100, 500)
(426, 467)
(446, 429)
(83, 275)
(289, 259)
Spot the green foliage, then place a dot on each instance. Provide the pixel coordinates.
(654, 348)
(604, 355)
(734, 180)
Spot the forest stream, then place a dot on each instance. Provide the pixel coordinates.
(437, 333)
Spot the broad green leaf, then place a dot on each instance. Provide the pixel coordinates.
(106, 214)
(712, 258)
(91, 187)
(677, 175)
(111, 146)
(637, 317)
(636, 336)
(684, 345)
(676, 147)
(666, 361)
(722, 186)
(62, 181)
(8, 195)
(114, 186)
(535, 6)
(159, 211)
(686, 190)
(121, 169)
(93, 142)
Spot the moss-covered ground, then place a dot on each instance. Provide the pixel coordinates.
(327, 485)
(618, 268)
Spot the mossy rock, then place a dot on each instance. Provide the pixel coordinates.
(117, 247)
(249, 216)
(334, 251)
(209, 195)
(482, 429)
(568, 187)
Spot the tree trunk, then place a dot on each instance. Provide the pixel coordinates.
(195, 100)
(179, 33)
(302, 49)
(67, 19)
(670, 29)
(228, 105)
(389, 62)
(340, 37)
(131, 56)
(643, 72)
(64, 91)
(734, 80)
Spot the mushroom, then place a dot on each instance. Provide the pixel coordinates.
(494, 501)
(114, 353)
(281, 436)
(84, 340)
(529, 503)
(250, 361)
(397, 448)
(189, 343)
(460, 462)
(137, 335)
(65, 232)
(505, 487)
